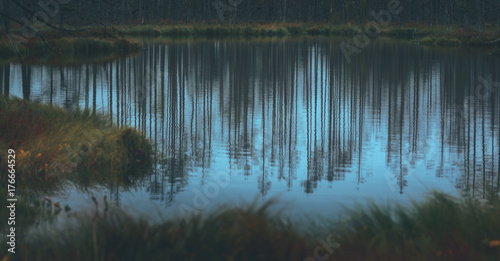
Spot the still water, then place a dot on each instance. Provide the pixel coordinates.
(291, 118)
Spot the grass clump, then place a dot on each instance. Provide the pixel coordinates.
(441, 228)
(294, 28)
(313, 30)
(50, 142)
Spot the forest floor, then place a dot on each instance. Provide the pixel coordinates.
(440, 228)
(97, 43)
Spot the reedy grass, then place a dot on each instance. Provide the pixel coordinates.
(51, 143)
(441, 228)
(246, 233)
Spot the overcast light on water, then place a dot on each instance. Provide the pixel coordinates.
(288, 118)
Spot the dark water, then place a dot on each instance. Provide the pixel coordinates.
(236, 119)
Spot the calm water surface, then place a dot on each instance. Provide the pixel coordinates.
(289, 118)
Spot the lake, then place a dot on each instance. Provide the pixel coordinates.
(289, 118)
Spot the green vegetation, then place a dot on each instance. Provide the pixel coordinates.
(431, 35)
(56, 45)
(51, 143)
(229, 234)
(274, 29)
(53, 146)
(96, 42)
(441, 228)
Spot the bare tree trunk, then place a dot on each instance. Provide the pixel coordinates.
(6, 79)
(248, 11)
(479, 15)
(5, 7)
(123, 12)
(139, 18)
(284, 11)
(26, 80)
(498, 25)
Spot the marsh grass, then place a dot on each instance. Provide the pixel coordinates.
(440, 228)
(51, 143)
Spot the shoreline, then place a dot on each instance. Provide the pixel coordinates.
(94, 42)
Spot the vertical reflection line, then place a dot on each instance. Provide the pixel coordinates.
(150, 73)
(289, 110)
(205, 113)
(492, 102)
(118, 107)
(94, 87)
(87, 87)
(498, 153)
(468, 143)
(263, 128)
(306, 88)
(134, 65)
(162, 93)
(155, 95)
(126, 66)
(322, 101)
(483, 149)
(51, 84)
(110, 89)
(123, 87)
(210, 114)
(474, 150)
(315, 97)
(401, 118)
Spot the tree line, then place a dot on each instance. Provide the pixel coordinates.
(473, 13)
